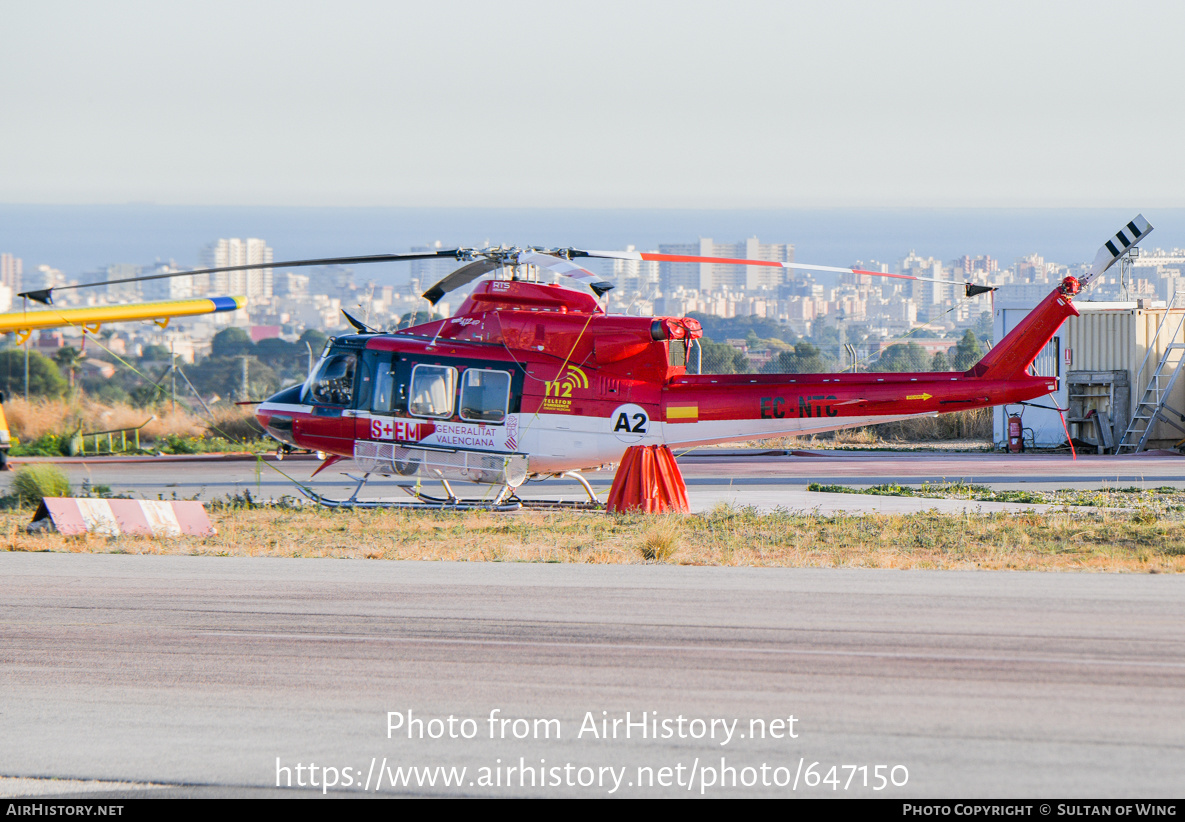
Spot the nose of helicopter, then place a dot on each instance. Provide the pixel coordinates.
(274, 416)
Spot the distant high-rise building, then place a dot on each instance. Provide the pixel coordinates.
(45, 277)
(292, 284)
(981, 264)
(1031, 269)
(691, 276)
(711, 276)
(925, 292)
(123, 292)
(635, 276)
(430, 271)
(253, 283)
(10, 271)
(169, 288)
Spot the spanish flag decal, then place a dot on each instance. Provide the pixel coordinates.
(683, 413)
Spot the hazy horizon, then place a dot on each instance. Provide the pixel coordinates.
(81, 239)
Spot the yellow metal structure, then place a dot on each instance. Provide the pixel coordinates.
(90, 319)
(24, 323)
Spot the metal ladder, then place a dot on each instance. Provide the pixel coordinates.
(1154, 403)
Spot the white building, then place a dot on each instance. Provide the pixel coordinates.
(635, 276)
(711, 276)
(431, 271)
(1103, 360)
(10, 271)
(253, 283)
(167, 288)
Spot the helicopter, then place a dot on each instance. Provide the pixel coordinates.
(529, 380)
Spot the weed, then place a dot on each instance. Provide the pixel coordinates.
(239, 501)
(661, 540)
(32, 483)
(47, 445)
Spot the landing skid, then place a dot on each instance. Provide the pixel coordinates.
(506, 500)
(500, 503)
(593, 504)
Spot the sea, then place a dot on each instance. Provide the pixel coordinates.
(84, 239)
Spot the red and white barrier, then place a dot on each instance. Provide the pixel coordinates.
(72, 516)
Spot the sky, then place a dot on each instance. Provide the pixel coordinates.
(636, 104)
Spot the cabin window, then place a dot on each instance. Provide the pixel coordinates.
(384, 387)
(432, 390)
(484, 395)
(333, 384)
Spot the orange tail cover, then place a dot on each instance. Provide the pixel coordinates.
(648, 480)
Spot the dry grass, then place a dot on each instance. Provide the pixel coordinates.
(1141, 542)
(30, 420)
(975, 424)
(660, 541)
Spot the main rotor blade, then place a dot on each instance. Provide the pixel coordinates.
(462, 276)
(45, 295)
(970, 288)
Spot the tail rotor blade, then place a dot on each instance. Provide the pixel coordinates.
(1117, 246)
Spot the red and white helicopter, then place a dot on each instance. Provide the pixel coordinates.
(528, 380)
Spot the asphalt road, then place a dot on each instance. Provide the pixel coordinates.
(205, 675)
(765, 479)
(211, 673)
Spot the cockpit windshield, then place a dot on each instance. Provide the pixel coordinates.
(333, 381)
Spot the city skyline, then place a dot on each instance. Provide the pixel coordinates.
(287, 302)
(85, 239)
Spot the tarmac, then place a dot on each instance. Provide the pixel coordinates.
(765, 479)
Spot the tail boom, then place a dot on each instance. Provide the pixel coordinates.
(1011, 357)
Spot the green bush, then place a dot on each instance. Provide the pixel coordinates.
(47, 445)
(34, 482)
(236, 428)
(177, 444)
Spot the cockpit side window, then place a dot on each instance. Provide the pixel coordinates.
(333, 383)
(433, 388)
(484, 395)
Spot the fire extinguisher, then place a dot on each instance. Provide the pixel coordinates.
(1016, 440)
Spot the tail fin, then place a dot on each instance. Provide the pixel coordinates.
(1012, 356)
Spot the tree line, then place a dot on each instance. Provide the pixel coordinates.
(147, 379)
(813, 355)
